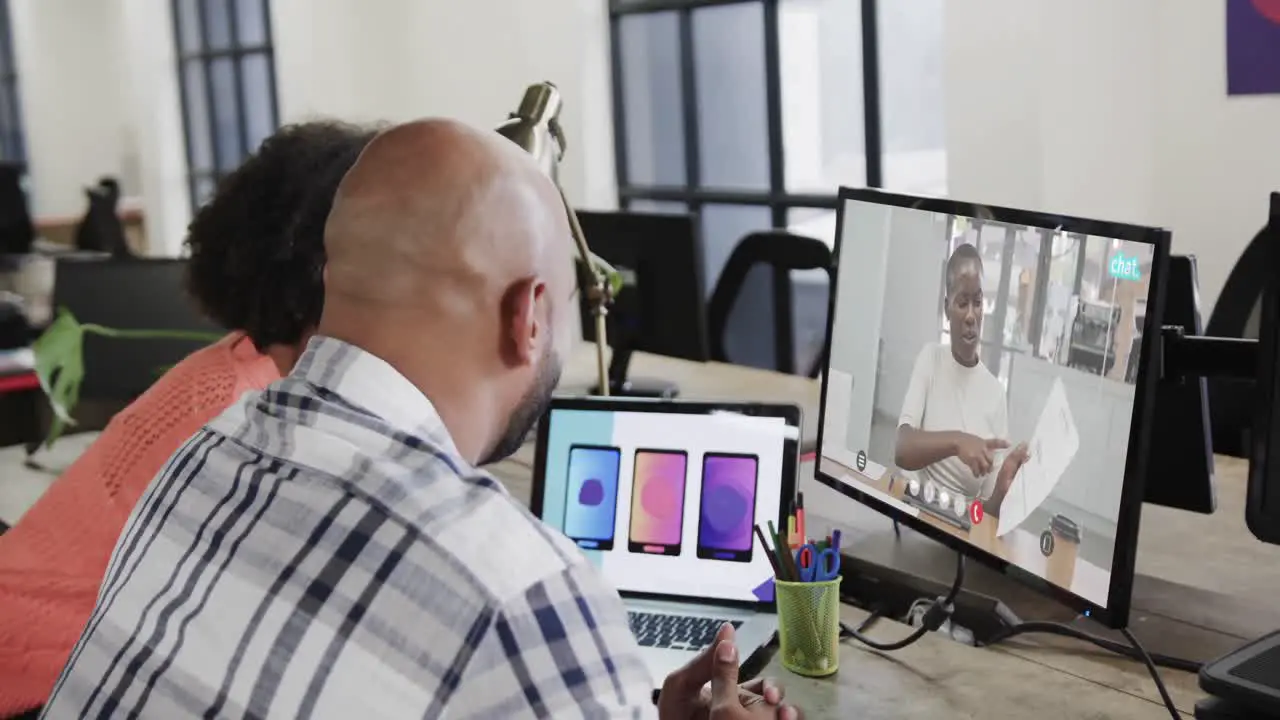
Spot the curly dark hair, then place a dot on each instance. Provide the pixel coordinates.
(257, 247)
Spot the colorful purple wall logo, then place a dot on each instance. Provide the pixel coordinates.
(1253, 47)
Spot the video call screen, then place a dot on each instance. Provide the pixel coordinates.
(666, 503)
(982, 380)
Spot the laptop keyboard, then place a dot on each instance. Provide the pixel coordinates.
(675, 632)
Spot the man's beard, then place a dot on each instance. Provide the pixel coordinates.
(531, 407)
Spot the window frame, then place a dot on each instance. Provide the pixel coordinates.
(11, 128)
(777, 199)
(205, 56)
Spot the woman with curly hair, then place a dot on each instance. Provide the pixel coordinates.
(257, 258)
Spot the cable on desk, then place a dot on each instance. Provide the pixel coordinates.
(1155, 674)
(1053, 628)
(937, 614)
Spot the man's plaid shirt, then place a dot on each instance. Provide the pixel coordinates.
(321, 550)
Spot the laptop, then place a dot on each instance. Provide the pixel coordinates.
(663, 496)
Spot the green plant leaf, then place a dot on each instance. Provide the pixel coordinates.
(59, 365)
(59, 361)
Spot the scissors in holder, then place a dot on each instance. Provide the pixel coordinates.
(817, 564)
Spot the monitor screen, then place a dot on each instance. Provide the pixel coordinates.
(983, 378)
(665, 503)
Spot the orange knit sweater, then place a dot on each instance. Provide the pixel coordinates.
(53, 560)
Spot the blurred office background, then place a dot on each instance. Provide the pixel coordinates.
(748, 114)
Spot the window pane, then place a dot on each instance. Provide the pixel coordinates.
(817, 223)
(203, 187)
(251, 27)
(911, 96)
(199, 135)
(255, 73)
(217, 24)
(733, 127)
(226, 113)
(1057, 305)
(658, 206)
(6, 41)
(188, 25)
(652, 108)
(820, 48)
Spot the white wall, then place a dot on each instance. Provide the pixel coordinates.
(1111, 109)
(100, 91)
(71, 98)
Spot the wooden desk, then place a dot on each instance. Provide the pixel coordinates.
(1205, 571)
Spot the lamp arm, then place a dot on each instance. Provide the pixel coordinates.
(598, 296)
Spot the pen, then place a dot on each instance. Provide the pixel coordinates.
(791, 530)
(835, 540)
(786, 563)
(800, 529)
(769, 554)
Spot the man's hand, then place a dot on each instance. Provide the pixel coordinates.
(686, 696)
(978, 454)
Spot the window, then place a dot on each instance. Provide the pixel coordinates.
(226, 72)
(13, 146)
(751, 113)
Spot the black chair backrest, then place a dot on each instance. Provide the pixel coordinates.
(101, 229)
(16, 230)
(780, 253)
(1235, 315)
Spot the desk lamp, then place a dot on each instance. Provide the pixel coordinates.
(535, 126)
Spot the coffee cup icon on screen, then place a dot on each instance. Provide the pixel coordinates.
(862, 460)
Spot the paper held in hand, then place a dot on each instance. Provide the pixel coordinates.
(1052, 448)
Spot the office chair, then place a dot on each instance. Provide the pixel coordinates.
(779, 253)
(101, 229)
(16, 230)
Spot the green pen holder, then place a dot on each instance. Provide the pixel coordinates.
(809, 626)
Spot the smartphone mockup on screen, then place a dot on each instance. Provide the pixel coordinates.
(728, 506)
(591, 502)
(657, 502)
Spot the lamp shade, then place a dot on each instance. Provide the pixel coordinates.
(535, 127)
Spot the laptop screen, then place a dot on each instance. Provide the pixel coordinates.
(663, 497)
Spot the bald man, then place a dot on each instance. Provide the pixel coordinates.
(328, 548)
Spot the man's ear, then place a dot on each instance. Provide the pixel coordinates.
(524, 322)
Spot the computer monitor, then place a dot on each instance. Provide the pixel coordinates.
(979, 389)
(128, 293)
(660, 308)
(1180, 474)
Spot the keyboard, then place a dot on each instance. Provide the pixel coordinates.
(675, 632)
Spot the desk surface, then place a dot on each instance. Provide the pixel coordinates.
(1222, 580)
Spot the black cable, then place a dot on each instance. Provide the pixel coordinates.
(1053, 628)
(865, 625)
(937, 614)
(1155, 674)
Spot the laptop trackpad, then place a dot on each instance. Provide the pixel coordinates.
(662, 662)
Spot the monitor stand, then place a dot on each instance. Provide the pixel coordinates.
(621, 386)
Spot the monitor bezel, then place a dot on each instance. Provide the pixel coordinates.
(1116, 611)
(791, 414)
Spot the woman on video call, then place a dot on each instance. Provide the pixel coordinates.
(954, 417)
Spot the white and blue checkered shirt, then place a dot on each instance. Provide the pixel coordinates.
(321, 550)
